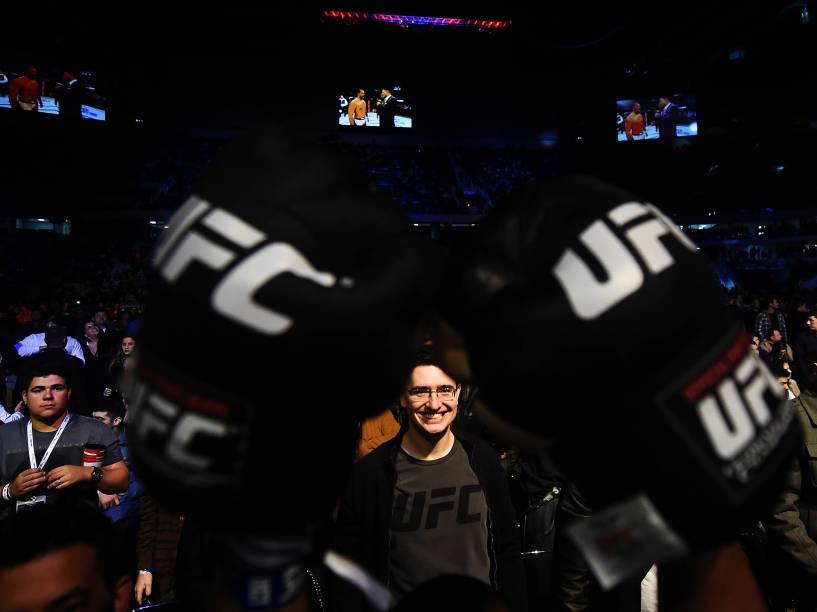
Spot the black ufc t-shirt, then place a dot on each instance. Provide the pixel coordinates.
(439, 521)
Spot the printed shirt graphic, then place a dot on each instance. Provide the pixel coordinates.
(439, 521)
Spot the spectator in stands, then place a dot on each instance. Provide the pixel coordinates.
(57, 470)
(770, 347)
(798, 316)
(54, 336)
(61, 557)
(117, 365)
(805, 354)
(109, 338)
(156, 548)
(95, 360)
(792, 525)
(769, 318)
(9, 417)
(429, 492)
(119, 507)
(377, 430)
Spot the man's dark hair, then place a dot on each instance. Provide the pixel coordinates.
(56, 337)
(111, 404)
(46, 528)
(425, 357)
(46, 364)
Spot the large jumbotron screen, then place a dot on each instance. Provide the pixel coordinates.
(378, 106)
(668, 116)
(53, 90)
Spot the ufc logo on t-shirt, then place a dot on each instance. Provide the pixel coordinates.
(247, 270)
(431, 505)
(590, 297)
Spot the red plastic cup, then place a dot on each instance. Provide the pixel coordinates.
(92, 455)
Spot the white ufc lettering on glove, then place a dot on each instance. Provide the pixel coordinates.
(590, 297)
(233, 295)
(743, 402)
(160, 417)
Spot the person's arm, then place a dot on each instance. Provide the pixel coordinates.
(7, 417)
(74, 348)
(25, 483)
(507, 546)
(145, 545)
(348, 534)
(26, 347)
(761, 327)
(785, 527)
(351, 111)
(801, 366)
(115, 477)
(628, 128)
(717, 580)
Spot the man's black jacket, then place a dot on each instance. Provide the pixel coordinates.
(365, 513)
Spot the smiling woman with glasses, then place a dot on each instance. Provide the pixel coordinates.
(437, 495)
(444, 393)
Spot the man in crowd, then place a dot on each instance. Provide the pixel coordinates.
(108, 336)
(54, 336)
(767, 347)
(42, 457)
(110, 410)
(792, 526)
(61, 557)
(770, 318)
(418, 506)
(805, 352)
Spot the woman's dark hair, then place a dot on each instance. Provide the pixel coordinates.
(81, 329)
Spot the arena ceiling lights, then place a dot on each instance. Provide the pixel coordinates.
(415, 20)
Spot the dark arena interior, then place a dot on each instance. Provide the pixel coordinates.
(408, 306)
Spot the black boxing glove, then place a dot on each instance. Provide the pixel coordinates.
(281, 313)
(591, 318)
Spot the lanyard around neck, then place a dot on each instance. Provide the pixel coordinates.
(31, 458)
